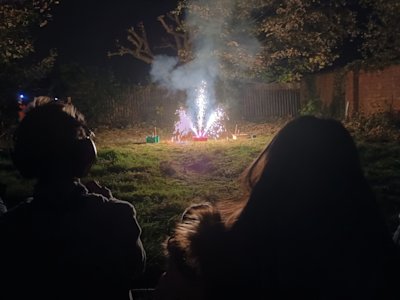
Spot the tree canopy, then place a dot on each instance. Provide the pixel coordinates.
(296, 37)
(381, 39)
(18, 21)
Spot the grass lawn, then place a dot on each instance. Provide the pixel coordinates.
(162, 179)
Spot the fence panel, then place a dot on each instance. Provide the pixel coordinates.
(151, 103)
(142, 104)
(264, 101)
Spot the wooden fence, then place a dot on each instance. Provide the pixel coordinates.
(257, 102)
(262, 102)
(142, 104)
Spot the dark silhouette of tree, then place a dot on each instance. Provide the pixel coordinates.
(18, 66)
(297, 36)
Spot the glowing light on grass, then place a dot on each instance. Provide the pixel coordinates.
(207, 122)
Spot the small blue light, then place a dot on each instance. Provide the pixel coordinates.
(21, 96)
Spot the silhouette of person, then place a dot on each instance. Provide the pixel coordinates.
(3, 207)
(22, 106)
(396, 236)
(307, 228)
(183, 279)
(69, 241)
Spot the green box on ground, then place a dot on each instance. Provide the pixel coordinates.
(152, 139)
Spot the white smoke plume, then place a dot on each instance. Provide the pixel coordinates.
(215, 32)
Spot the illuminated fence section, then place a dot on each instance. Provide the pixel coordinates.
(142, 104)
(270, 100)
(257, 102)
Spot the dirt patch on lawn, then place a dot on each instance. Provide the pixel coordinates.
(200, 165)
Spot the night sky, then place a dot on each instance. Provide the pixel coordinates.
(83, 31)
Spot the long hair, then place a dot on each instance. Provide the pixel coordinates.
(308, 158)
(311, 161)
(308, 220)
(311, 209)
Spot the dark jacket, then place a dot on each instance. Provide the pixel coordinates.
(69, 244)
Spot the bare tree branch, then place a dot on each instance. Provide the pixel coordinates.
(139, 45)
(139, 49)
(183, 44)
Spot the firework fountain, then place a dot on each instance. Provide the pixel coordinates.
(202, 118)
(204, 121)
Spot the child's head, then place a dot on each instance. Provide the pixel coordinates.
(309, 154)
(53, 142)
(310, 177)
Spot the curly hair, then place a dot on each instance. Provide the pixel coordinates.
(44, 142)
(194, 238)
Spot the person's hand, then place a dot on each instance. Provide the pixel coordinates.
(95, 188)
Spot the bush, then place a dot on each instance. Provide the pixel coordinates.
(312, 107)
(380, 127)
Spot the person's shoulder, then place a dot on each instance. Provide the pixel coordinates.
(110, 204)
(102, 196)
(121, 205)
(19, 211)
(17, 218)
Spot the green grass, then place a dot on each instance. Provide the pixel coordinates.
(162, 179)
